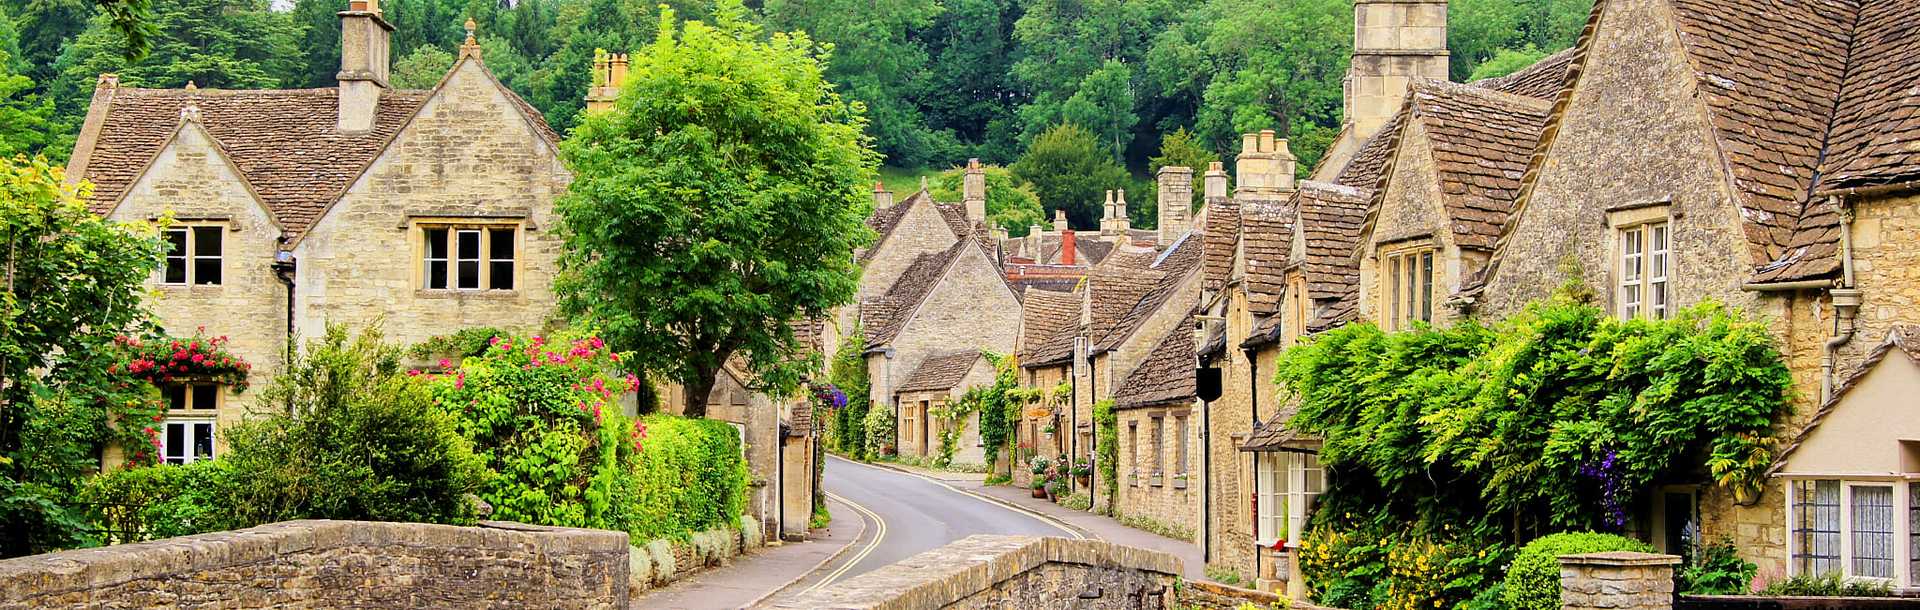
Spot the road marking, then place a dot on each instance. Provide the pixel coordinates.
(1043, 517)
(857, 557)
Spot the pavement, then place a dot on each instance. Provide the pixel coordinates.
(751, 579)
(1090, 524)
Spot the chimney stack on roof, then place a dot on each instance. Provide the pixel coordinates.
(1216, 181)
(1059, 221)
(1265, 167)
(1394, 42)
(1175, 202)
(609, 73)
(366, 41)
(1067, 247)
(882, 198)
(973, 191)
(1114, 221)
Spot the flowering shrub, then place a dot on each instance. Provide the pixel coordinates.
(157, 361)
(543, 415)
(1370, 562)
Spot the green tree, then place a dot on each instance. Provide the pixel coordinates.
(716, 202)
(970, 89)
(1011, 203)
(1507, 61)
(1061, 43)
(1070, 171)
(1104, 105)
(1180, 149)
(70, 282)
(27, 123)
(422, 69)
(876, 63)
(224, 44)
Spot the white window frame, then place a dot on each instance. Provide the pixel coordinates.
(190, 434)
(1903, 536)
(483, 259)
(1291, 481)
(1644, 264)
(190, 258)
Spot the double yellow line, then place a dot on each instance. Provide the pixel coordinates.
(881, 534)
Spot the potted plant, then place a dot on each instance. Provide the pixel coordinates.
(1039, 487)
(1082, 471)
(1039, 466)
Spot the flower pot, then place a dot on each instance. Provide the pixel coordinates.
(1040, 492)
(1085, 480)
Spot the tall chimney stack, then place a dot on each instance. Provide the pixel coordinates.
(882, 198)
(365, 52)
(1215, 181)
(1059, 221)
(1067, 247)
(1394, 42)
(973, 191)
(609, 73)
(1265, 167)
(1175, 202)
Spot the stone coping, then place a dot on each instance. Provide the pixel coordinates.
(101, 567)
(1620, 559)
(951, 573)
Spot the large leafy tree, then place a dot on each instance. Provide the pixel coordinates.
(227, 44)
(876, 62)
(69, 283)
(716, 202)
(1071, 171)
(1011, 204)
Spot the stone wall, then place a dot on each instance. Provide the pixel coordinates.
(1169, 500)
(334, 564)
(1617, 580)
(1011, 572)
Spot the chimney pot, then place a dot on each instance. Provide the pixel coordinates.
(882, 198)
(1266, 140)
(1215, 180)
(365, 46)
(973, 191)
(1249, 143)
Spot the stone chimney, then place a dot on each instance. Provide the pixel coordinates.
(1175, 202)
(973, 191)
(882, 198)
(609, 73)
(1067, 247)
(1059, 221)
(365, 53)
(1394, 42)
(1215, 181)
(1114, 222)
(1265, 167)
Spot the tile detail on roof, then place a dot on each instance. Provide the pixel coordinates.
(1165, 377)
(1878, 121)
(889, 313)
(1173, 267)
(1330, 217)
(284, 142)
(1266, 234)
(940, 372)
(1222, 231)
(1049, 322)
(1543, 80)
(1481, 140)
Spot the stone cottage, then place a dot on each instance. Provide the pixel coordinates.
(1758, 154)
(426, 211)
(938, 383)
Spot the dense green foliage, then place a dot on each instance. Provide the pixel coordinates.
(878, 428)
(953, 423)
(1070, 170)
(715, 203)
(1557, 418)
(343, 433)
(1533, 581)
(1000, 408)
(70, 289)
(1106, 436)
(1714, 568)
(848, 372)
(1830, 584)
(942, 80)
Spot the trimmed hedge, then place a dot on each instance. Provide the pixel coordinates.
(1533, 581)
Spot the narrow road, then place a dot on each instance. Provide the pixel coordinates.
(907, 515)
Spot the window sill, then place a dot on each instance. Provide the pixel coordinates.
(429, 293)
(190, 288)
(1180, 482)
(1155, 481)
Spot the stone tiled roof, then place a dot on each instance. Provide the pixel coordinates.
(1878, 121)
(1222, 231)
(884, 222)
(940, 372)
(1543, 80)
(1330, 217)
(1902, 338)
(1481, 142)
(1266, 330)
(883, 317)
(1364, 170)
(1266, 232)
(1165, 377)
(1049, 322)
(285, 143)
(1274, 433)
(1172, 267)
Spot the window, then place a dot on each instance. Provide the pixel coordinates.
(188, 441)
(1913, 530)
(1180, 446)
(193, 256)
(1287, 486)
(1645, 262)
(1816, 527)
(468, 258)
(1159, 442)
(1872, 508)
(1409, 286)
(192, 396)
(1133, 453)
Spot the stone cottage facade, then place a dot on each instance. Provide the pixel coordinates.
(424, 211)
(938, 383)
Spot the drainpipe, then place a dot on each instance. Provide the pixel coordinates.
(1845, 299)
(1253, 390)
(780, 482)
(284, 266)
(1073, 400)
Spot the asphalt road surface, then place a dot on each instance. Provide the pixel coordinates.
(907, 515)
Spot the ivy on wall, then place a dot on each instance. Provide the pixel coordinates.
(1106, 431)
(1556, 419)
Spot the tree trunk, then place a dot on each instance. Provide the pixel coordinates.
(697, 390)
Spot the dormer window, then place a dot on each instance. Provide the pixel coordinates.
(1644, 263)
(468, 257)
(1408, 286)
(193, 256)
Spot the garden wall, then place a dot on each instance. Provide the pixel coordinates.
(339, 564)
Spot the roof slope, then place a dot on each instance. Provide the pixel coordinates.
(1543, 80)
(1165, 377)
(884, 316)
(1481, 141)
(1173, 266)
(1049, 322)
(1266, 230)
(283, 142)
(1878, 122)
(940, 372)
(1222, 237)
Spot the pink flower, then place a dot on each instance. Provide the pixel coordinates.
(199, 358)
(597, 343)
(413, 373)
(445, 363)
(460, 381)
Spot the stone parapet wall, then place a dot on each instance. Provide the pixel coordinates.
(334, 564)
(1617, 580)
(1011, 572)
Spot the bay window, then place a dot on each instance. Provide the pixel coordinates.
(1285, 488)
(1855, 529)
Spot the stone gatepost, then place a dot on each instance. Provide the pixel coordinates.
(1617, 580)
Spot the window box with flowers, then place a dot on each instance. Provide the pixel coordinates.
(193, 375)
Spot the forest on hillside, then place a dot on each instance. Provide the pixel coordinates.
(941, 80)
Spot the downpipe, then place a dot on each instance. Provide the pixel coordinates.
(1845, 300)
